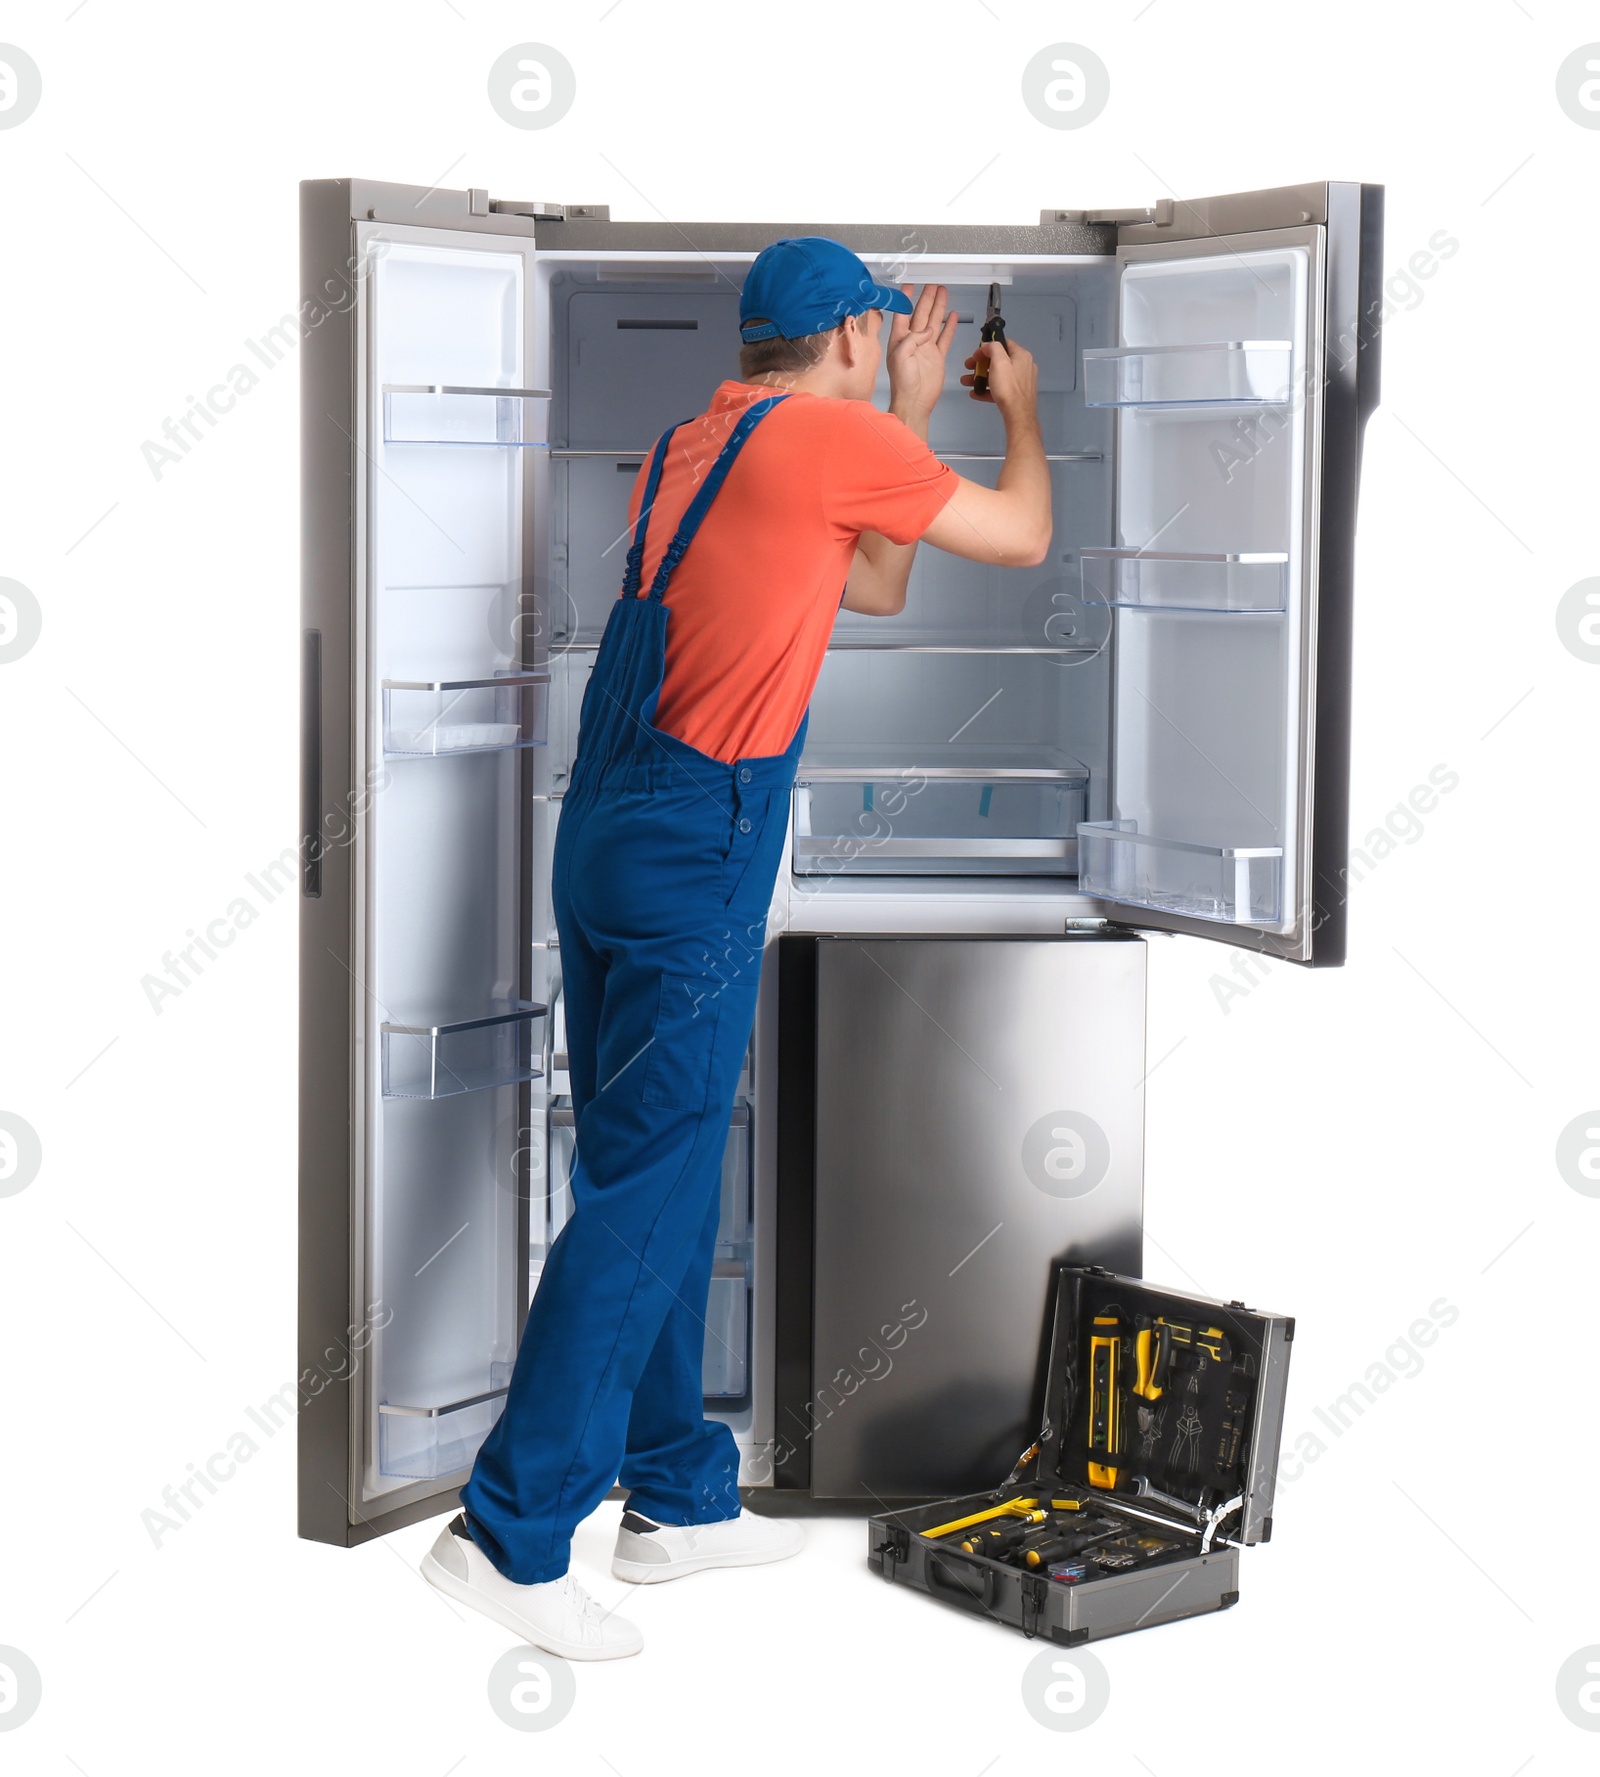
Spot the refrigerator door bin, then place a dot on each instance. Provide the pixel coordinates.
(426, 1443)
(1242, 885)
(905, 821)
(427, 717)
(1174, 580)
(444, 413)
(444, 1060)
(1253, 372)
(725, 1364)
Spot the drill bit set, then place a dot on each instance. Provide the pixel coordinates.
(1153, 1467)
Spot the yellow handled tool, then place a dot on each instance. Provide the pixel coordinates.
(1105, 1409)
(1031, 1509)
(1211, 1340)
(1149, 1353)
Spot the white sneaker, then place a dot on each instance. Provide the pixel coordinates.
(557, 1615)
(648, 1552)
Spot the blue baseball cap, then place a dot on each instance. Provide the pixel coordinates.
(808, 284)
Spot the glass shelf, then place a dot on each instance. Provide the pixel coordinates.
(424, 718)
(566, 453)
(449, 413)
(1253, 372)
(425, 1443)
(908, 818)
(444, 1060)
(852, 644)
(999, 456)
(1239, 885)
(1171, 580)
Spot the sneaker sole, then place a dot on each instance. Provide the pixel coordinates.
(464, 1593)
(655, 1573)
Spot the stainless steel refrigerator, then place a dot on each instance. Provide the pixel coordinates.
(1000, 789)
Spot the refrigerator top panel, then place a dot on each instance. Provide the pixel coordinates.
(588, 228)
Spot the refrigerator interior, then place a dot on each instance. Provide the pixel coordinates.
(979, 716)
(968, 735)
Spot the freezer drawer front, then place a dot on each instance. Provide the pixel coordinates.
(977, 1116)
(1246, 366)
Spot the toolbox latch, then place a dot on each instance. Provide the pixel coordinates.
(896, 1547)
(1035, 1594)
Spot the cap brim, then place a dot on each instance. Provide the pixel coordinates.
(896, 301)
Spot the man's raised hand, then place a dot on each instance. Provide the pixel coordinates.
(919, 343)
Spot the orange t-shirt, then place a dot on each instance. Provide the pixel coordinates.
(754, 599)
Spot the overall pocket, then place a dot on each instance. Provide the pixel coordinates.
(751, 860)
(699, 1021)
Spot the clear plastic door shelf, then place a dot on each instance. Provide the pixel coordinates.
(1171, 580)
(444, 1060)
(423, 1443)
(1242, 885)
(428, 717)
(1253, 371)
(442, 413)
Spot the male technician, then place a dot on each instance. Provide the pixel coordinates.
(747, 522)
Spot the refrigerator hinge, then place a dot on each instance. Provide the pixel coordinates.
(1159, 215)
(482, 204)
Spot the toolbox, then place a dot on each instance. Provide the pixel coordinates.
(1154, 1465)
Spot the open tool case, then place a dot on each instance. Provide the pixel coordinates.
(1155, 1463)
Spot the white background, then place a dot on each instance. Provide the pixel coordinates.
(1348, 1146)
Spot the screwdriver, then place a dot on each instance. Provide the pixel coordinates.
(1057, 1548)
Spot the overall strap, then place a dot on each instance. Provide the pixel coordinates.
(633, 575)
(701, 503)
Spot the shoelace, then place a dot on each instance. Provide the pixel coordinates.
(591, 1618)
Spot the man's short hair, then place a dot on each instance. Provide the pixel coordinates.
(761, 357)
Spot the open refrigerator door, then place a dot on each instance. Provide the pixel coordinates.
(1240, 381)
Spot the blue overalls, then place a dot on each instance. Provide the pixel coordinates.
(663, 871)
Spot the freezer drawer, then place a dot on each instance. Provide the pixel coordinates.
(957, 1116)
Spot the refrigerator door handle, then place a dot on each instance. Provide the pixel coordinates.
(311, 765)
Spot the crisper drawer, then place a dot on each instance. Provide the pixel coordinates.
(951, 820)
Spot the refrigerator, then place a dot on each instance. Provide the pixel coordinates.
(1002, 788)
